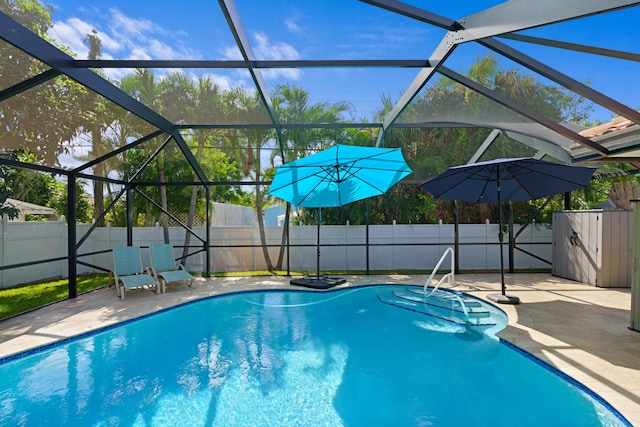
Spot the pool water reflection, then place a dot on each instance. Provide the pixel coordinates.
(344, 357)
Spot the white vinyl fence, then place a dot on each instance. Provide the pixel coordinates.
(391, 247)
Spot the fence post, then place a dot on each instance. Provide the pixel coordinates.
(346, 241)
(393, 246)
(62, 233)
(72, 224)
(487, 257)
(109, 244)
(3, 228)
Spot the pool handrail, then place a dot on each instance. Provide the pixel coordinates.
(449, 276)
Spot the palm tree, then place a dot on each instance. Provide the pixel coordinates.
(251, 107)
(142, 85)
(293, 106)
(95, 129)
(208, 100)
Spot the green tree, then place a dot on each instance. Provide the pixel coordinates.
(44, 189)
(250, 108)
(180, 98)
(97, 120)
(59, 198)
(432, 150)
(207, 100)
(293, 106)
(143, 86)
(56, 100)
(6, 190)
(30, 185)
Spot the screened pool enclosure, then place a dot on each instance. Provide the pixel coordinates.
(150, 115)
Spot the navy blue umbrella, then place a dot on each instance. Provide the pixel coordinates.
(507, 180)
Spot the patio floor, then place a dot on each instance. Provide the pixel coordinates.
(580, 329)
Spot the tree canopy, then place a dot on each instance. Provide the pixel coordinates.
(46, 121)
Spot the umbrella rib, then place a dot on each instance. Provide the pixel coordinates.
(486, 181)
(517, 179)
(354, 176)
(321, 179)
(530, 170)
(309, 193)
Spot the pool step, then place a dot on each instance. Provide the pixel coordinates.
(469, 302)
(474, 310)
(449, 310)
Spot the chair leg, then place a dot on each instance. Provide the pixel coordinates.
(122, 293)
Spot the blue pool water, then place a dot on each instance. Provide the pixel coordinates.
(370, 356)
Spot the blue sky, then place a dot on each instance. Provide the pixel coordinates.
(333, 29)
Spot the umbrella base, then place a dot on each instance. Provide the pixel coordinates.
(503, 299)
(322, 282)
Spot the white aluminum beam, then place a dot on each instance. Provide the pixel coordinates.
(235, 25)
(444, 49)
(517, 15)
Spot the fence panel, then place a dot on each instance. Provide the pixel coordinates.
(237, 248)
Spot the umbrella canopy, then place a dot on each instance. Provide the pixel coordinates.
(518, 179)
(334, 177)
(509, 180)
(339, 175)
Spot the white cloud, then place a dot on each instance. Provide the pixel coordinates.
(125, 37)
(292, 25)
(121, 37)
(73, 33)
(129, 27)
(139, 52)
(224, 82)
(264, 49)
(143, 39)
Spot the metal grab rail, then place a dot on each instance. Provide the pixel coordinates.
(449, 276)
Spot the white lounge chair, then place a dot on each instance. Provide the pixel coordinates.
(128, 271)
(164, 267)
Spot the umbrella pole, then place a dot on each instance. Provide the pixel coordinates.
(502, 297)
(318, 245)
(501, 240)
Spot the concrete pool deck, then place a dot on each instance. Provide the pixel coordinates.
(579, 329)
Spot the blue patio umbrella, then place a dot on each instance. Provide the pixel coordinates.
(512, 179)
(337, 176)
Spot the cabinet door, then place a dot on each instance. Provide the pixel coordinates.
(566, 258)
(590, 239)
(574, 236)
(575, 245)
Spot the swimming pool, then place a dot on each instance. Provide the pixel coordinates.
(373, 355)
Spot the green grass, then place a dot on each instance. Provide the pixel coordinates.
(27, 297)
